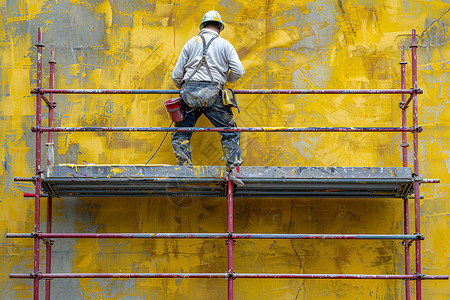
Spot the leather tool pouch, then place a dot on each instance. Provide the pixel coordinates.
(229, 98)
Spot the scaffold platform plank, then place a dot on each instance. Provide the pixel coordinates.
(210, 181)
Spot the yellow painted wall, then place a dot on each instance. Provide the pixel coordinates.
(283, 45)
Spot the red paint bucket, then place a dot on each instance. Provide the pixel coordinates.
(174, 109)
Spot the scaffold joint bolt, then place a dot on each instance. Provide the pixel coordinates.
(37, 128)
(51, 105)
(34, 275)
(402, 105)
(420, 275)
(407, 243)
(420, 236)
(417, 128)
(230, 275)
(48, 242)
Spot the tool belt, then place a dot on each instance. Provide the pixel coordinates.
(200, 93)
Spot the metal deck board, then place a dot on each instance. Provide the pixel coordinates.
(209, 181)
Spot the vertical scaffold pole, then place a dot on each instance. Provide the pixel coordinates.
(404, 146)
(414, 46)
(48, 249)
(37, 202)
(51, 84)
(230, 240)
(404, 113)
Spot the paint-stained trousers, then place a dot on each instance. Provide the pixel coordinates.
(220, 116)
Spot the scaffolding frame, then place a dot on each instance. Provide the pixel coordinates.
(407, 238)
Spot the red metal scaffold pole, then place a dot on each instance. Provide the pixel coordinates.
(50, 157)
(414, 46)
(404, 146)
(38, 182)
(230, 240)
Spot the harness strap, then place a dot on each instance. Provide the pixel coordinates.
(203, 61)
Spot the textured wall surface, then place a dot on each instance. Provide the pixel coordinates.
(310, 44)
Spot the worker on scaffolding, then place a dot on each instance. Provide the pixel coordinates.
(205, 64)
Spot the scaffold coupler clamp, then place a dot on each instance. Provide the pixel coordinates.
(48, 242)
(230, 275)
(420, 275)
(417, 128)
(417, 178)
(230, 236)
(48, 103)
(232, 175)
(37, 90)
(402, 105)
(40, 174)
(37, 128)
(420, 236)
(408, 243)
(34, 275)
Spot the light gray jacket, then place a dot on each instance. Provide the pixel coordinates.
(221, 57)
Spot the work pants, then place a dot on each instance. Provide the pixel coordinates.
(220, 116)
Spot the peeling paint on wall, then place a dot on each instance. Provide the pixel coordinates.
(309, 44)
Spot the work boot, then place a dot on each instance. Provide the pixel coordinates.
(232, 176)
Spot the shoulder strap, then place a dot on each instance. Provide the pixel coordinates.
(203, 61)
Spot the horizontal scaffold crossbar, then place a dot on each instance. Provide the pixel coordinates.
(227, 129)
(225, 275)
(253, 91)
(217, 236)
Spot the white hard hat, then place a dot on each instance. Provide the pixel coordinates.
(214, 16)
